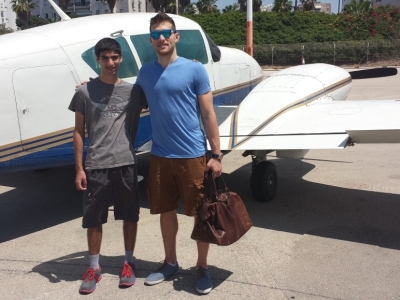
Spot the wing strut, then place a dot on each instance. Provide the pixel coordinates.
(63, 15)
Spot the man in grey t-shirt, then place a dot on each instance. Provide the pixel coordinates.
(110, 109)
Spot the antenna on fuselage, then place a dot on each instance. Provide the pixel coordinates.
(63, 15)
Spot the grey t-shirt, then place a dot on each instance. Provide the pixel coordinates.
(112, 115)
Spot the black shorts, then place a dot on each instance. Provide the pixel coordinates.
(106, 187)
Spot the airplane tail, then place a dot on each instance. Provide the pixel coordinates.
(63, 15)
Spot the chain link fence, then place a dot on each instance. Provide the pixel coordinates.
(351, 53)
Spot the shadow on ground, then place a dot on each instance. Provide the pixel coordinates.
(44, 199)
(71, 268)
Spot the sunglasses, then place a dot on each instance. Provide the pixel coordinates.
(155, 35)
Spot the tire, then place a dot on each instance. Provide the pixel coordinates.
(264, 181)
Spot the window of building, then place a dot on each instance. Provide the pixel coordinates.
(133, 6)
(128, 67)
(140, 6)
(46, 15)
(191, 46)
(121, 10)
(53, 15)
(97, 12)
(2, 15)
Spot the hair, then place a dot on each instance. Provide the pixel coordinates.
(162, 17)
(107, 44)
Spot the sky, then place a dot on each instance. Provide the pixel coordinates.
(222, 3)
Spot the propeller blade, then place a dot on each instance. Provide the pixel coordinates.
(373, 73)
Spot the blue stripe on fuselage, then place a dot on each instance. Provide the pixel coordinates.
(64, 154)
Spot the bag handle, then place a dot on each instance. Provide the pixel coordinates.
(207, 177)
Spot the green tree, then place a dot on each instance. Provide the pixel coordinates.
(169, 6)
(191, 9)
(207, 6)
(23, 9)
(358, 7)
(33, 21)
(230, 8)
(256, 5)
(282, 6)
(4, 29)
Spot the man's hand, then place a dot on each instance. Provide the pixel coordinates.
(80, 181)
(215, 166)
(83, 82)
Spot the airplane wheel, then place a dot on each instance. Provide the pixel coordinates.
(264, 181)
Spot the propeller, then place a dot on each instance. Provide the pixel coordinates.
(373, 73)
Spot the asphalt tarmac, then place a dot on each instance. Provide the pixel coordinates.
(332, 232)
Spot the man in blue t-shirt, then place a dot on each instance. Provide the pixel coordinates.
(178, 94)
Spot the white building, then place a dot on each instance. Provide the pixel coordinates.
(266, 8)
(91, 7)
(7, 16)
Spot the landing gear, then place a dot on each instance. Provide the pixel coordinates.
(264, 177)
(264, 181)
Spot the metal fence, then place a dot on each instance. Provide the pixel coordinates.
(385, 52)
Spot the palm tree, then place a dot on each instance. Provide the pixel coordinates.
(282, 6)
(308, 5)
(358, 6)
(229, 8)
(256, 5)
(23, 9)
(207, 6)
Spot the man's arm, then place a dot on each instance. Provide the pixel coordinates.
(79, 139)
(211, 127)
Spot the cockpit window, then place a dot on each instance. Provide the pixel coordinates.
(215, 51)
(191, 46)
(128, 67)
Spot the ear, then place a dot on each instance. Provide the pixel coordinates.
(177, 36)
(97, 59)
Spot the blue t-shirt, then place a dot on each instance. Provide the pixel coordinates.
(174, 108)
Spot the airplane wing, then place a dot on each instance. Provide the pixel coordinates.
(326, 124)
(316, 117)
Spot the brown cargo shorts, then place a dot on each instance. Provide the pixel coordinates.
(172, 179)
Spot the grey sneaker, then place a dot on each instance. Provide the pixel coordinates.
(90, 280)
(203, 281)
(164, 272)
(127, 277)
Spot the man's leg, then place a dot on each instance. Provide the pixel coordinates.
(203, 278)
(130, 231)
(202, 253)
(126, 208)
(93, 275)
(94, 236)
(169, 230)
(128, 276)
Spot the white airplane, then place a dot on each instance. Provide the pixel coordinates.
(294, 110)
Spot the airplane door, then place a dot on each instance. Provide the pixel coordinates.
(45, 118)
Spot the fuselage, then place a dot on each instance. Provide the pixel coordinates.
(40, 67)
